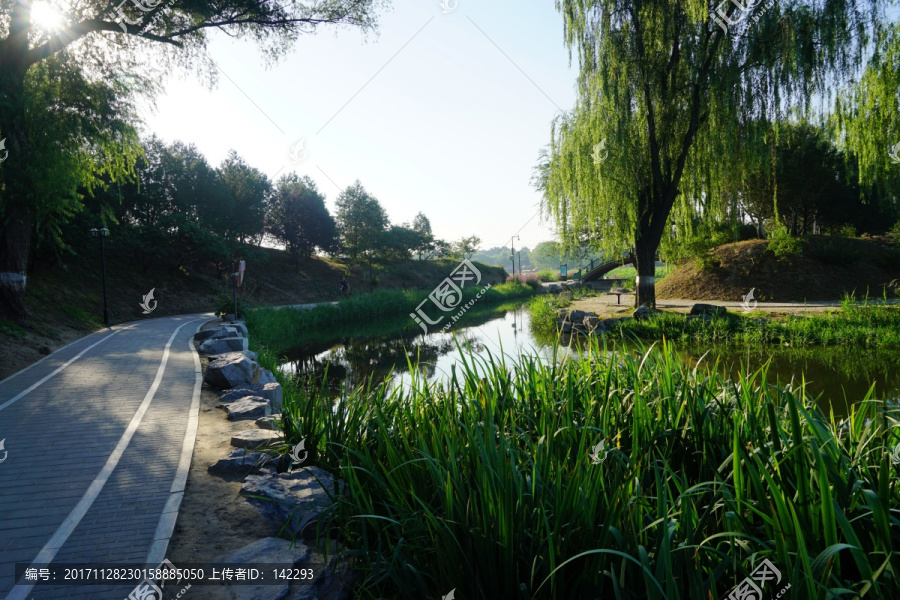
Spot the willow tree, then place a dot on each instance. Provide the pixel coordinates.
(675, 98)
(867, 118)
(130, 46)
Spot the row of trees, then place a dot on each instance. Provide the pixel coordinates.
(180, 204)
(360, 229)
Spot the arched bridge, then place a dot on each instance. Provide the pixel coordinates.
(596, 270)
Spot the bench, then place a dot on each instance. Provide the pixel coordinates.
(618, 293)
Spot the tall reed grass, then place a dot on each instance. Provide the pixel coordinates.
(493, 483)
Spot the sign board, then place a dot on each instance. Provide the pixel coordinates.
(563, 271)
(241, 269)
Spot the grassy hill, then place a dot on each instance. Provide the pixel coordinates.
(65, 299)
(827, 268)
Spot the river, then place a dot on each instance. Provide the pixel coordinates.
(836, 376)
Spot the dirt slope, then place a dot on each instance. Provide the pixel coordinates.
(827, 268)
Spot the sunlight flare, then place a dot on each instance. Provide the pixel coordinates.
(47, 16)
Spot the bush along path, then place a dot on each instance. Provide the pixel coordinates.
(278, 479)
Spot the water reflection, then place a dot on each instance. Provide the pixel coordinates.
(838, 376)
(355, 357)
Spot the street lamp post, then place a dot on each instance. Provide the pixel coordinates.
(512, 246)
(102, 233)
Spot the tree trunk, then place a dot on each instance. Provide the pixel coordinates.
(645, 265)
(16, 206)
(653, 211)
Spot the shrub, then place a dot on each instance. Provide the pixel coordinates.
(846, 230)
(532, 280)
(225, 300)
(543, 316)
(895, 229)
(784, 245)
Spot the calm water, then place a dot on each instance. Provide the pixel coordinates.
(836, 376)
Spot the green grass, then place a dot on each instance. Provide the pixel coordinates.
(483, 483)
(12, 329)
(543, 315)
(79, 316)
(284, 328)
(860, 325)
(630, 273)
(855, 324)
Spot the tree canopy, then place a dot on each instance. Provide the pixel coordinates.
(87, 71)
(298, 218)
(672, 109)
(866, 119)
(361, 221)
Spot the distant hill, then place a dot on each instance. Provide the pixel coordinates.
(500, 257)
(827, 268)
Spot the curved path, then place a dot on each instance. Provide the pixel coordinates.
(98, 443)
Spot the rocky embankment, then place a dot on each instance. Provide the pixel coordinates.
(290, 494)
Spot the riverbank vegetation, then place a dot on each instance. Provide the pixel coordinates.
(628, 475)
(862, 324)
(285, 328)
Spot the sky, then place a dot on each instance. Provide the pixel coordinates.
(442, 113)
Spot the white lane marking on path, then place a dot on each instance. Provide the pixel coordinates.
(48, 552)
(166, 525)
(57, 370)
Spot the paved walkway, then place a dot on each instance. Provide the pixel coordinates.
(98, 442)
(306, 306)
